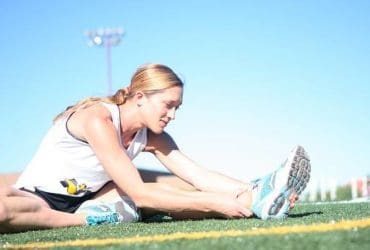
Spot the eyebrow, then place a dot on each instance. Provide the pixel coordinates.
(172, 101)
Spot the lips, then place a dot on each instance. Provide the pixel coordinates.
(164, 123)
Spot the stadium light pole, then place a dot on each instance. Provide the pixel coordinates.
(106, 37)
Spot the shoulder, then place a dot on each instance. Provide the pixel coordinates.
(97, 111)
(94, 118)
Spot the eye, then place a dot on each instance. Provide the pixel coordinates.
(170, 105)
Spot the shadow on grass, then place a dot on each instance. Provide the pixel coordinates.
(167, 219)
(158, 219)
(300, 215)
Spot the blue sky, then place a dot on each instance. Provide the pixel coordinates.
(260, 76)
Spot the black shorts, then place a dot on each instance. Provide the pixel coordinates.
(61, 202)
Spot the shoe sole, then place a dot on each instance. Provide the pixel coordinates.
(297, 175)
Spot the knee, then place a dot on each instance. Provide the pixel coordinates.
(6, 191)
(4, 215)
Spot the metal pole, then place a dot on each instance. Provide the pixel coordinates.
(109, 66)
(108, 37)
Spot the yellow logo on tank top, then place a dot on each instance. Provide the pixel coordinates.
(73, 187)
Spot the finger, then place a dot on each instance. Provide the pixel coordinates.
(293, 194)
(293, 197)
(247, 213)
(235, 216)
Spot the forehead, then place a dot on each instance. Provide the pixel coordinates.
(172, 94)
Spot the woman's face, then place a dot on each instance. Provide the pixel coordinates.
(160, 108)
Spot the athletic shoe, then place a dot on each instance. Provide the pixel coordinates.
(98, 219)
(99, 213)
(120, 210)
(271, 193)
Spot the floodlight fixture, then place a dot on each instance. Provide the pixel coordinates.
(106, 37)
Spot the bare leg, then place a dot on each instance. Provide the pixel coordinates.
(112, 192)
(174, 181)
(183, 215)
(20, 211)
(167, 178)
(170, 183)
(109, 193)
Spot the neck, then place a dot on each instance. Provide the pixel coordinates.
(130, 122)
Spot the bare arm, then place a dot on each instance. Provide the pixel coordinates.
(166, 150)
(99, 132)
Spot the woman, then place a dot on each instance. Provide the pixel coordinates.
(83, 171)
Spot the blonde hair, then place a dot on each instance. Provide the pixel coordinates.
(149, 79)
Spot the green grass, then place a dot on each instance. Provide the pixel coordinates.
(301, 215)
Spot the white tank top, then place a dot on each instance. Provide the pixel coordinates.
(66, 165)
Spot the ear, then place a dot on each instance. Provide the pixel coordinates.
(139, 98)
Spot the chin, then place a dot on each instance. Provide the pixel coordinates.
(157, 130)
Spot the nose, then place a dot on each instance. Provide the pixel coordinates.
(171, 113)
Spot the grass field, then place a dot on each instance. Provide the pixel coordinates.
(310, 226)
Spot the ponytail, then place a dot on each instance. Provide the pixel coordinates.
(119, 98)
(149, 78)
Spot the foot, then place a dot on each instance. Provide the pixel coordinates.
(98, 219)
(98, 212)
(272, 195)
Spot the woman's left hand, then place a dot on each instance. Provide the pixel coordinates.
(293, 199)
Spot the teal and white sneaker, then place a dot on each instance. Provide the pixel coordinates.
(98, 213)
(117, 211)
(271, 193)
(98, 219)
